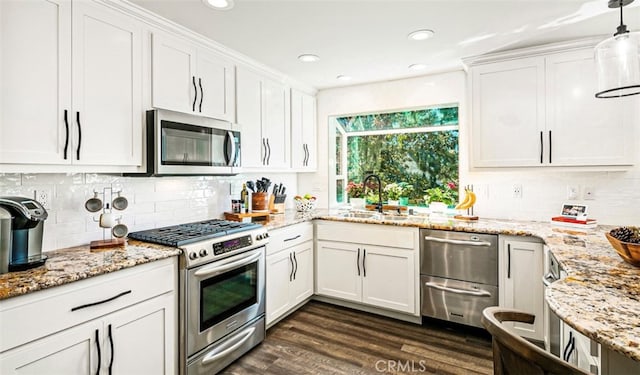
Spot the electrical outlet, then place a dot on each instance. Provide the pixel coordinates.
(43, 196)
(572, 192)
(517, 190)
(589, 193)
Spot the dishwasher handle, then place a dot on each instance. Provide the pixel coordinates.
(457, 242)
(548, 279)
(477, 293)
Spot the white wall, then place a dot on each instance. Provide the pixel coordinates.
(153, 202)
(617, 194)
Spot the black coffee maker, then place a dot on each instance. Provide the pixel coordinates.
(27, 224)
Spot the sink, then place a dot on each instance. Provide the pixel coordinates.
(361, 215)
(394, 217)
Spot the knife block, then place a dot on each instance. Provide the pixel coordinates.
(275, 208)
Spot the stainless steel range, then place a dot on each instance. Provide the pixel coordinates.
(221, 291)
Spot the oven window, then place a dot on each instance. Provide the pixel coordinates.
(224, 295)
(184, 144)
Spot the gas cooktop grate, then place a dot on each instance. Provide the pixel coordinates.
(183, 234)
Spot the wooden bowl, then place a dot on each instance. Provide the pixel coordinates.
(629, 252)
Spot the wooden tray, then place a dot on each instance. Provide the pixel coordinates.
(104, 245)
(250, 216)
(372, 207)
(466, 217)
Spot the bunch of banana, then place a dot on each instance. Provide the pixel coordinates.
(468, 201)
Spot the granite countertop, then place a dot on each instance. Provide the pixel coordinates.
(77, 263)
(600, 297)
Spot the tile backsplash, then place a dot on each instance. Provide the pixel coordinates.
(153, 202)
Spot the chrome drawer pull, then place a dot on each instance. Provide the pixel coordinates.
(458, 242)
(246, 335)
(477, 293)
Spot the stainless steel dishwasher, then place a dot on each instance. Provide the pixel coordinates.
(458, 275)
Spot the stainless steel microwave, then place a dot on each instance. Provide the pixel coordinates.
(182, 144)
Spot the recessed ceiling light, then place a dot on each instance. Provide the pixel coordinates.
(417, 67)
(219, 4)
(308, 57)
(342, 77)
(421, 34)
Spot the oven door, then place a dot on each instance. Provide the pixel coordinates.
(222, 296)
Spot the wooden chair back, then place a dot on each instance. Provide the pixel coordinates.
(513, 355)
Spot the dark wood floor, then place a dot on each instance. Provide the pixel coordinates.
(324, 339)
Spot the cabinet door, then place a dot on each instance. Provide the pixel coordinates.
(279, 277)
(389, 278)
(143, 338)
(577, 120)
(275, 124)
(216, 82)
(249, 117)
(339, 270)
(520, 287)
(72, 351)
(303, 131)
(508, 113)
(107, 87)
(302, 285)
(174, 80)
(35, 80)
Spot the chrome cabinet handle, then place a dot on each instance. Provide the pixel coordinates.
(295, 271)
(201, 93)
(79, 135)
(99, 354)
(548, 279)
(477, 293)
(458, 242)
(100, 302)
(66, 137)
(195, 95)
(291, 278)
(206, 271)
(244, 336)
(111, 345)
(269, 154)
(264, 157)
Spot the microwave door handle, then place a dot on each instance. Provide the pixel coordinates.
(231, 153)
(206, 271)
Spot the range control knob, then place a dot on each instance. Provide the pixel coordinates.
(259, 237)
(193, 255)
(266, 235)
(204, 252)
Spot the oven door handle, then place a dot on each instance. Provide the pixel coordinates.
(215, 269)
(243, 337)
(458, 242)
(477, 293)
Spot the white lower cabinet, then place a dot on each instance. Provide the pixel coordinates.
(73, 329)
(289, 270)
(351, 268)
(520, 283)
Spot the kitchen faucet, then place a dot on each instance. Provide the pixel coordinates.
(364, 183)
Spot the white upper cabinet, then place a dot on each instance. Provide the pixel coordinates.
(51, 114)
(541, 111)
(585, 130)
(303, 132)
(508, 115)
(190, 79)
(263, 112)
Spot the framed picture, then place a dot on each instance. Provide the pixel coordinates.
(574, 211)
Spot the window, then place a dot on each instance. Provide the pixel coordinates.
(419, 147)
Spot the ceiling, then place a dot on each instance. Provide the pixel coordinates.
(367, 39)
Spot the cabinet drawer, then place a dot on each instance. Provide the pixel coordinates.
(283, 238)
(29, 317)
(374, 234)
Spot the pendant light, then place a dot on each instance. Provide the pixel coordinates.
(618, 60)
